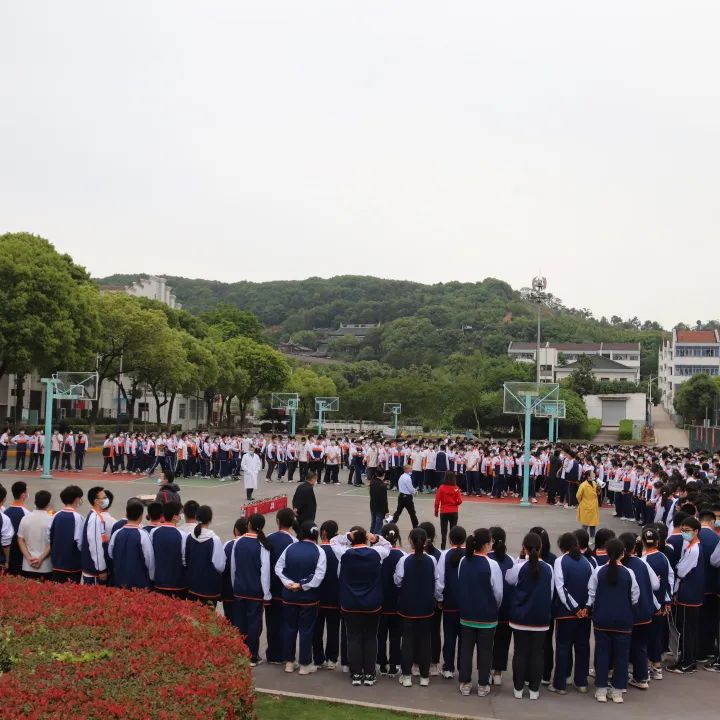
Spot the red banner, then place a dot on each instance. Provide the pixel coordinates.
(265, 506)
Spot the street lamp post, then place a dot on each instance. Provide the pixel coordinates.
(537, 293)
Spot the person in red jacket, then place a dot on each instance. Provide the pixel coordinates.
(448, 499)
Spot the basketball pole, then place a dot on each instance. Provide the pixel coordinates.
(292, 421)
(49, 400)
(526, 466)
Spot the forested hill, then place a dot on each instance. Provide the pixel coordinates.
(418, 323)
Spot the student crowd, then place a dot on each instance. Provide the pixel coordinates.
(358, 599)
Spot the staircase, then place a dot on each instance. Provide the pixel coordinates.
(606, 436)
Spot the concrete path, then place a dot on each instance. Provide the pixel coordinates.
(606, 436)
(666, 433)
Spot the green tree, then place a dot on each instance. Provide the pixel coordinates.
(226, 322)
(256, 368)
(306, 338)
(581, 379)
(309, 385)
(695, 399)
(48, 310)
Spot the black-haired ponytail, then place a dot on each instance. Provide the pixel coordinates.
(476, 541)
(257, 523)
(204, 517)
(499, 538)
(418, 538)
(533, 544)
(615, 550)
(568, 543)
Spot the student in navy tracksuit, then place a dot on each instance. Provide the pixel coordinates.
(612, 592)
(448, 592)
(16, 512)
(390, 625)
(360, 557)
(480, 594)
(643, 610)
(204, 560)
(530, 614)
(169, 543)
(301, 569)
(250, 570)
(279, 541)
(66, 531)
(415, 575)
(602, 537)
(131, 551)
(227, 595)
(571, 574)
(95, 538)
(675, 540)
(326, 638)
(660, 565)
(546, 555)
(436, 643)
(503, 632)
(689, 596)
(709, 620)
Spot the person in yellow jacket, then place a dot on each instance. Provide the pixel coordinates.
(588, 509)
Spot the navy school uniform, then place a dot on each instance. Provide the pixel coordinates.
(643, 612)
(503, 632)
(530, 618)
(250, 570)
(279, 541)
(571, 576)
(327, 624)
(306, 564)
(390, 627)
(675, 542)
(133, 558)
(15, 513)
(6, 536)
(709, 540)
(93, 550)
(416, 577)
(480, 594)
(447, 588)
(360, 594)
(437, 618)
(689, 598)
(658, 632)
(226, 594)
(169, 543)
(66, 531)
(612, 614)
(204, 564)
(549, 653)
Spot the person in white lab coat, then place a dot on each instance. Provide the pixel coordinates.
(251, 466)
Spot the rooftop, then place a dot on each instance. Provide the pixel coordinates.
(577, 347)
(696, 336)
(598, 363)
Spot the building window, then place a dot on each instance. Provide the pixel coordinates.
(690, 370)
(699, 351)
(182, 410)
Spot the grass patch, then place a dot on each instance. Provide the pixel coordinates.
(278, 707)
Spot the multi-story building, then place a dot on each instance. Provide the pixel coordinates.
(684, 354)
(612, 361)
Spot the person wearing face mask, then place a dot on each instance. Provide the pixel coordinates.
(689, 596)
(332, 463)
(709, 540)
(95, 539)
(251, 466)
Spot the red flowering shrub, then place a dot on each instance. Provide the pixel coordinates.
(95, 653)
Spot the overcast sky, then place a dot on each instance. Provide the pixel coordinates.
(409, 139)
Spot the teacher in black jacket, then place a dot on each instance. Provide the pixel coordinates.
(303, 502)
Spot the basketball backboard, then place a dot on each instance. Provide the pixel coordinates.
(518, 397)
(75, 385)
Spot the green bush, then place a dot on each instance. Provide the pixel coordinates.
(590, 428)
(625, 431)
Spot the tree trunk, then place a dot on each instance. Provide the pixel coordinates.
(477, 421)
(170, 411)
(19, 397)
(158, 405)
(243, 407)
(228, 411)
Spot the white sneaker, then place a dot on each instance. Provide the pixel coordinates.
(424, 682)
(617, 696)
(601, 695)
(496, 679)
(656, 673)
(434, 670)
(415, 671)
(405, 680)
(483, 690)
(329, 665)
(448, 675)
(307, 669)
(518, 694)
(465, 689)
(534, 694)
(289, 667)
(346, 668)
